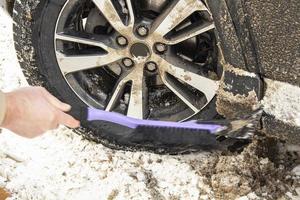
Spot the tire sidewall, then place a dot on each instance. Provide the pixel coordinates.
(44, 45)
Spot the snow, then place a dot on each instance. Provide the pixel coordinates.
(282, 100)
(61, 165)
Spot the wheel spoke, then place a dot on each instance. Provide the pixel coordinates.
(137, 95)
(111, 14)
(137, 99)
(174, 14)
(83, 38)
(190, 33)
(75, 63)
(186, 96)
(207, 86)
(131, 13)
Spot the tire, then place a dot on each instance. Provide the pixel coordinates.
(34, 20)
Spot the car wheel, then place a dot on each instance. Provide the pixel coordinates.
(144, 59)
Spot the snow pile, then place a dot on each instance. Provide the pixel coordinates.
(282, 100)
(61, 165)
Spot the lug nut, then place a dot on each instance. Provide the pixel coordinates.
(160, 47)
(127, 62)
(142, 31)
(122, 41)
(151, 66)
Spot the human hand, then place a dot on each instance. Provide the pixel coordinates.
(32, 111)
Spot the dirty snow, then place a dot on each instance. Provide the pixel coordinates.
(62, 165)
(282, 100)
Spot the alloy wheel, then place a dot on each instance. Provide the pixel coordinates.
(145, 59)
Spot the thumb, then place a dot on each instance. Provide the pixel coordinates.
(67, 120)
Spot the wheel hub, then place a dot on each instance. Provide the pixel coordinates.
(127, 49)
(140, 50)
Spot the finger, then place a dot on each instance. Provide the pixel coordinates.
(67, 120)
(56, 102)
